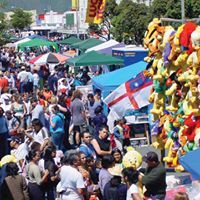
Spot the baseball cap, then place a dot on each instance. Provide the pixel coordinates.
(150, 156)
(15, 139)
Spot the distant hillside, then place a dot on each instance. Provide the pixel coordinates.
(39, 5)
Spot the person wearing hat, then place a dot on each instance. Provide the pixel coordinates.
(115, 189)
(154, 178)
(18, 149)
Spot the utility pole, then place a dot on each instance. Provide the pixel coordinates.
(183, 10)
(77, 18)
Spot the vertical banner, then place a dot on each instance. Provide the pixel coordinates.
(95, 11)
(75, 4)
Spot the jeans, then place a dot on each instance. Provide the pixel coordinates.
(23, 87)
(4, 146)
(57, 139)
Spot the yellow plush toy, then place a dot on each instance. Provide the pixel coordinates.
(132, 158)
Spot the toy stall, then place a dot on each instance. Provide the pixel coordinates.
(174, 60)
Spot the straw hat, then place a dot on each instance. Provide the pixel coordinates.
(116, 170)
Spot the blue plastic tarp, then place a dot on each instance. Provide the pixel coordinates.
(191, 163)
(110, 81)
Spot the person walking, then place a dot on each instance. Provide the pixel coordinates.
(78, 115)
(57, 127)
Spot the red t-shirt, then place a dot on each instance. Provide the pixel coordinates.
(3, 83)
(126, 131)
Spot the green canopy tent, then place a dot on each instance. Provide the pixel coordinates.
(94, 58)
(86, 44)
(36, 43)
(69, 41)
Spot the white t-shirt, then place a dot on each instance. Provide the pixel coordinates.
(132, 190)
(36, 79)
(21, 152)
(41, 135)
(23, 76)
(70, 180)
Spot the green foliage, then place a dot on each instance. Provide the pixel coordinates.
(130, 24)
(158, 8)
(127, 21)
(172, 8)
(3, 28)
(3, 3)
(195, 8)
(21, 19)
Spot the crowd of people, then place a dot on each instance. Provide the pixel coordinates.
(57, 145)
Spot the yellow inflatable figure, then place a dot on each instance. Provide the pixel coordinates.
(7, 159)
(132, 158)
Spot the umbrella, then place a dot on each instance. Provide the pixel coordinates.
(49, 58)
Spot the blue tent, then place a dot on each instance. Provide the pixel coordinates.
(110, 81)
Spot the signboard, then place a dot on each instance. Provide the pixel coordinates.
(70, 19)
(85, 89)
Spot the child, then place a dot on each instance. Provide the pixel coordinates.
(130, 176)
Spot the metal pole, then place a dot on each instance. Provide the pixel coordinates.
(183, 10)
(77, 19)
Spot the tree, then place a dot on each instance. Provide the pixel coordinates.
(195, 8)
(21, 19)
(131, 22)
(3, 3)
(3, 28)
(172, 9)
(3, 24)
(158, 8)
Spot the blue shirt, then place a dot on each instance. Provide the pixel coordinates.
(3, 125)
(88, 150)
(58, 120)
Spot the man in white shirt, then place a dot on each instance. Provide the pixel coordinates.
(71, 185)
(23, 77)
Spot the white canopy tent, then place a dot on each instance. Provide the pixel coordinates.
(21, 41)
(104, 45)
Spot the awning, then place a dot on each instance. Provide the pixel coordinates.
(94, 58)
(107, 44)
(86, 44)
(37, 43)
(110, 81)
(69, 41)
